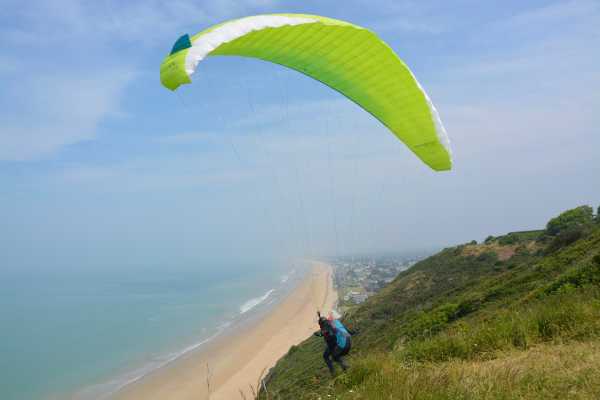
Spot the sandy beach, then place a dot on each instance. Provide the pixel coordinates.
(234, 361)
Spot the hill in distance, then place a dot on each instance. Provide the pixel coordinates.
(515, 317)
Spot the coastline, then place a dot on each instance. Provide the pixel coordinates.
(235, 360)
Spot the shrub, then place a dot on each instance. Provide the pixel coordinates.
(553, 322)
(566, 315)
(580, 277)
(466, 307)
(566, 237)
(431, 322)
(569, 219)
(569, 315)
(518, 337)
(488, 257)
(508, 239)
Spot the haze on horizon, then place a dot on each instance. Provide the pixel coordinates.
(101, 166)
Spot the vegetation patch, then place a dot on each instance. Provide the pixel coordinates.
(515, 317)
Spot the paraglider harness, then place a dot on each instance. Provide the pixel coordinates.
(338, 341)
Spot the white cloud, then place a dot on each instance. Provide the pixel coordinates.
(555, 13)
(131, 21)
(56, 111)
(399, 17)
(538, 95)
(63, 75)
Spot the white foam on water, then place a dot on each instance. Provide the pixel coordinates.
(250, 304)
(107, 389)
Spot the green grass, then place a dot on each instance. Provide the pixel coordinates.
(562, 317)
(464, 324)
(543, 372)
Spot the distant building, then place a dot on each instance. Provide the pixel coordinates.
(359, 298)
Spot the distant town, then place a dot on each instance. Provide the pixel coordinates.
(358, 278)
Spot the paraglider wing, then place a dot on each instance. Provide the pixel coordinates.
(345, 57)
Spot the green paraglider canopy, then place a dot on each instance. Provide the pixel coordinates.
(346, 57)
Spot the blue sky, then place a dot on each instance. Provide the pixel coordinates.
(100, 165)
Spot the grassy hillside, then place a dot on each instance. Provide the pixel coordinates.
(515, 317)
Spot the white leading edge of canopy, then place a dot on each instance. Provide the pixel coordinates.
(435, 116)
(203, 45)
(437, 121)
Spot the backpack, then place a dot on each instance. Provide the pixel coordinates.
(341, 333)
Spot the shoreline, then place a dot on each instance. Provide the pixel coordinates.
(234, 360)
(248, 312)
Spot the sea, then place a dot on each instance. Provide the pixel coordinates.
(81, 334)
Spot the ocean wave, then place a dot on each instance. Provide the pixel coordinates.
(250, 304)
(106, 390)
